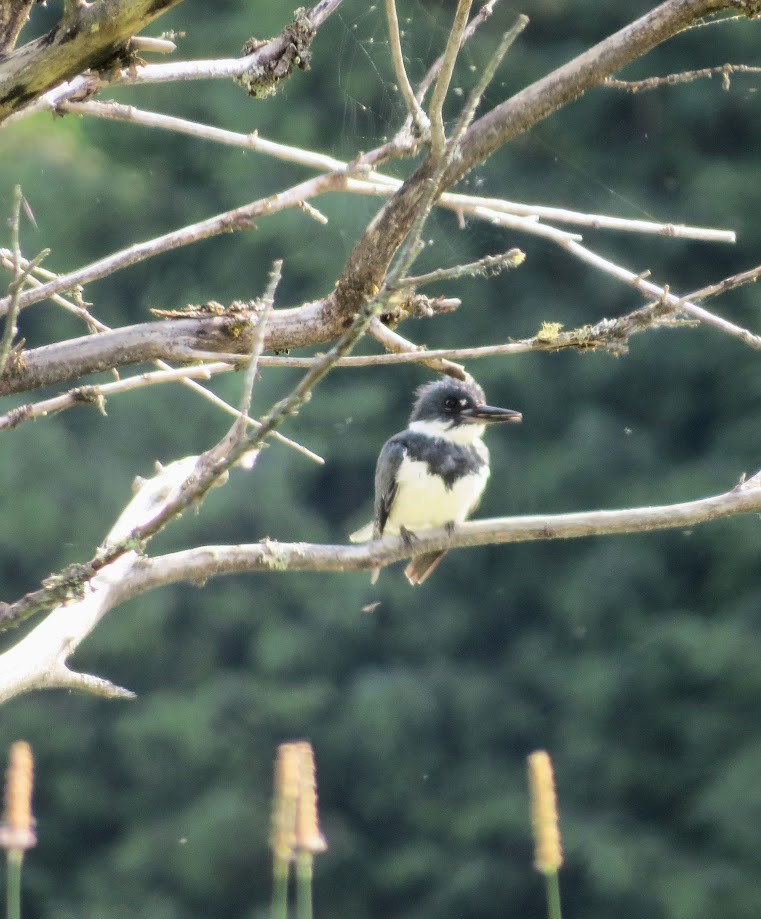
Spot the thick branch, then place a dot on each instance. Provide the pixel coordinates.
(180, 340)
(90, 38)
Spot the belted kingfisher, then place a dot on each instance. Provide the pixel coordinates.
(433, 473)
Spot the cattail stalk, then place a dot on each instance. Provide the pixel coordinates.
(304, 864)
(17, 830)
(548, 853)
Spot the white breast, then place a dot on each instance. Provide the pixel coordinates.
(423, 501)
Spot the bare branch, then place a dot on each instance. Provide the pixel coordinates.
(441, 88)
(681, 304)
(258, 72)
(419, 117)
(487, 267)
(88, 36)
(97, 395)
(208, 561)
(376, 183)
(10, 331)
(268, 301)
(394, 342)
(686, 76)
(13, 17)
(474, 99)
(368, 263)
(476, 22)
(237, 432)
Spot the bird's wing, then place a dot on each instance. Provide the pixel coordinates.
(390, 459)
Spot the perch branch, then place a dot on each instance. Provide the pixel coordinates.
(38, 661)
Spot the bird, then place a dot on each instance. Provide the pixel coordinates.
(434, 472)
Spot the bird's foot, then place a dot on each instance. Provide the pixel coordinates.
(408, 538)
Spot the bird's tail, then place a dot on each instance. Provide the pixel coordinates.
(363, 534)
(421, 567)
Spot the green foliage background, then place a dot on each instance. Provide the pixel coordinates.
(635, 660)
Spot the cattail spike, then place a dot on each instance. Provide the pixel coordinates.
(308, 835)
(295, 824)
(17, 830)
(285, 803)
(548, 854)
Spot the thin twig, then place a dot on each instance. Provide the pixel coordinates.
(395, 342)
(736, 280)
(478, 20)
(257, 346)
(474, 98)
(236, 219)
(237, 432)
(686, 76)
(11, 329)
(441, 88)
(419, 117)
(488, 266)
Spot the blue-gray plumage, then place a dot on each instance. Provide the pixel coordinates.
(435, 471)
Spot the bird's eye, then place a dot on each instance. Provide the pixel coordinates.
(451, 404)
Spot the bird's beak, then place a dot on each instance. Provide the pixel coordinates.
(489, 414)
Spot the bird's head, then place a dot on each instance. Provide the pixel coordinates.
(456, 407)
